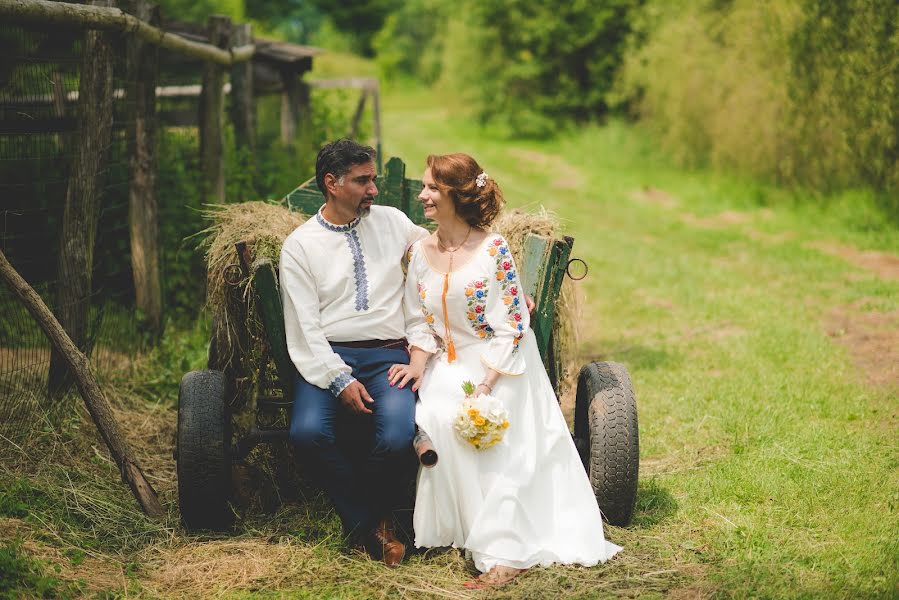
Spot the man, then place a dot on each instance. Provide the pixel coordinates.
(342, 288)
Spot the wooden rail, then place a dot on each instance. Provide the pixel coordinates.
(44, 12)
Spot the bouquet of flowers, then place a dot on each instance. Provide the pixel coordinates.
(482, 420)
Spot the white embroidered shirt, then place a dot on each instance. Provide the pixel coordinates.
(342, 283)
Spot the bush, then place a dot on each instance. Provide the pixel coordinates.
(797, 91)
(527, 66)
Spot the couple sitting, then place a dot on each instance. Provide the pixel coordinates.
(365, 339)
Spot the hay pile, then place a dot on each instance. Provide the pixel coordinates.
(237, 330)
(265, 225)
(515, 225)
(262, 225)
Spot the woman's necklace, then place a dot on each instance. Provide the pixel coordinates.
(452, 251)
(447, 334)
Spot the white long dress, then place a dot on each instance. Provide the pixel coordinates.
(527, 500)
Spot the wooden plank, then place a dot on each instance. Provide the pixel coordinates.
(557, 266)
(532, 270)
(376, 114)
(416, 213)
(142, 61)
(211, 116)
(290, 106)
(243, 107)
(390, 192)
(268, 305)
(305, 199)
(83, 196)
(357, 116)
(107, 18)
(369, 83)
(542, 272)
(25, 126)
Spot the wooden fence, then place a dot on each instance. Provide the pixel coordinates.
(232, 62)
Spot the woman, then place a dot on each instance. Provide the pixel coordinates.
(526, 501)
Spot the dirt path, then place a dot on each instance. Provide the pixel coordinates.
(871, 336)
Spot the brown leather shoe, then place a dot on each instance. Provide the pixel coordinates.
(382, 544)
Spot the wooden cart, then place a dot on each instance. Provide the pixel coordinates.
(605, 419)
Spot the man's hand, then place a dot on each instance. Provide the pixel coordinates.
(404, 374)
(529, 302)
(355, 397)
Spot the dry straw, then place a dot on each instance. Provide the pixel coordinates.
(515, 225)
(263, 226)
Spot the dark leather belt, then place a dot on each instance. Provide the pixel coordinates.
(372, 344)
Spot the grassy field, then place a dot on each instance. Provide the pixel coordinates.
(761, 332)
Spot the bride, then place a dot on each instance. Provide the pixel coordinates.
(527, 500)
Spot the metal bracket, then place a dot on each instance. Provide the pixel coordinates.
(568, 269)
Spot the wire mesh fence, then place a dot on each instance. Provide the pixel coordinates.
(43, 149)
(39, 141)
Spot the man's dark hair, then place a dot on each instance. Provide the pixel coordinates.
(338, 158)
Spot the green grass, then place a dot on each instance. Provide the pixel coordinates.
(771, 463)
(769, 466)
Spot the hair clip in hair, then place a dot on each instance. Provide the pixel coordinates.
(481, 179)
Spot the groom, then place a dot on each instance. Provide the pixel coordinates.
(342, 289)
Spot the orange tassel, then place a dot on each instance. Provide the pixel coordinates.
(450, 346)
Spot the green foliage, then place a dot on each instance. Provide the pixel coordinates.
(845, 60)
(548, 62)
(362, 18)
(798, 91)
(523, 65)
(292, 20)
(178, 191)
(199, 10)
(21, 576)
(412, 40)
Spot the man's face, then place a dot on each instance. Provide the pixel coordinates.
(358, 190)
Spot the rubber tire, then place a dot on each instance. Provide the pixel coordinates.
(606, 431)
(204, 449)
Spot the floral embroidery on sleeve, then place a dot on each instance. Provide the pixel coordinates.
(506, 277)
(428, 315)
(476, 297)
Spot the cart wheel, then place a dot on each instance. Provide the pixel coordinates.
(204, 449)
(605, 431)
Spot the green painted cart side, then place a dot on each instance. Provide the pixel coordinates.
(394, 189)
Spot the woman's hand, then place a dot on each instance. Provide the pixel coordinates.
(484, 389)
(403, 374)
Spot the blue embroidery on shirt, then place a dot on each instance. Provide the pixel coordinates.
(359, 273)
(340, 382)
(352, 239)
(337, 228)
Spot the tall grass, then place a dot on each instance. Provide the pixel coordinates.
(795, 91)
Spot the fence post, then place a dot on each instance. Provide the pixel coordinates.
(290, 105)
(82, 204)
(212, 106)
(243, 106)
(143, 213)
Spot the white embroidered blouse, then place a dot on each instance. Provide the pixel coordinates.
(342, 283)
(478, 307)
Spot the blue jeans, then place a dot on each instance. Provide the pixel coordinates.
(363, 462)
